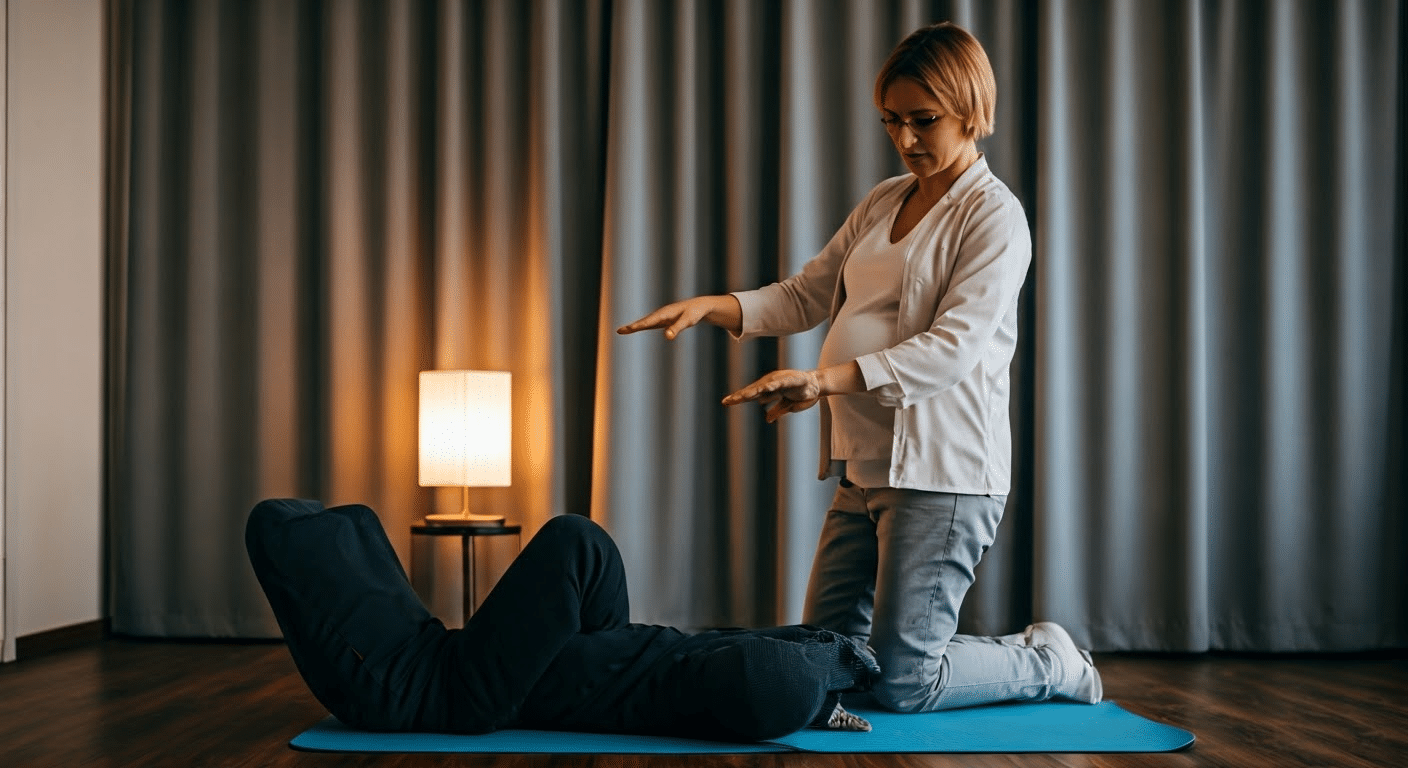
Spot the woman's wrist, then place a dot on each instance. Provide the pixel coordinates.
(841, 379)
(727, 313)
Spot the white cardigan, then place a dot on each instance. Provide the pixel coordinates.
(948, 378)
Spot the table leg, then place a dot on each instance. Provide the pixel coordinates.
(466, 578)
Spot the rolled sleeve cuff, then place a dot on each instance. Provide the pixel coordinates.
(752, 304)
(880, 379)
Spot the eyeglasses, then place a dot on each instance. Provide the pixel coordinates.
(916, 124)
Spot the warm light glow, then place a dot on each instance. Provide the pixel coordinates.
(465, 438)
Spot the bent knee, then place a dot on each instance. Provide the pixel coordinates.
(903, 693)
(571, 532)
(269, 515)
(569, 527)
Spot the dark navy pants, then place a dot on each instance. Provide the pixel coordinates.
(551, 647)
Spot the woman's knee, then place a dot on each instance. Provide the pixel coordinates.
(903, 692)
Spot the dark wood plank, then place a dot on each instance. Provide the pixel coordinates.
(140, 703)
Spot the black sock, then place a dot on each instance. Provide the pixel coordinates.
(848, 665)
(828, 706)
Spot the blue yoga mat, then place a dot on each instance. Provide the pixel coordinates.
(1044, 727)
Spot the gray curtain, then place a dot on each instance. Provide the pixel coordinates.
(315, 202)
(312, 201)
(1219, 377)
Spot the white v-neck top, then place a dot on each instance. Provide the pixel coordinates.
(866, 322)
(943, 372)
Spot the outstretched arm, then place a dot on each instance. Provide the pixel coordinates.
(723, 311)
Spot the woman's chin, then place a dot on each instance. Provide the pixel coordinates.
(921, 168)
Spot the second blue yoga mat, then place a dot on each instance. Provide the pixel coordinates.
(1045, 727)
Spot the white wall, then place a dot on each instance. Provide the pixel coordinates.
(7, 645)
(53, 256)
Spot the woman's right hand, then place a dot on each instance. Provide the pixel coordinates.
(723, 311)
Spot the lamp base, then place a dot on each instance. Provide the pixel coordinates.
(489, 521)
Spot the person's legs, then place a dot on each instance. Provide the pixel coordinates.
(929, 545)
(743, 685)
(567, 580)
(743, 688)
(841, 590)
(375, 657)
(355, 628)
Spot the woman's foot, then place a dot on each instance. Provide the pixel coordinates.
(1079, 680)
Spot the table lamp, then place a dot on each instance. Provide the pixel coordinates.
(465, 437)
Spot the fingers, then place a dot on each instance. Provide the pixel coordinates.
(776, 412)
(741, 396)
(789, 384)
(784, 407)
(674, 318)
(780, 392)
(684, 321)
(657, 319)
(756, 391)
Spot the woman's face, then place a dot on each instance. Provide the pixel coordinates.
(928, 140)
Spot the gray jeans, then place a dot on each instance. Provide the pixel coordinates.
(891, 570)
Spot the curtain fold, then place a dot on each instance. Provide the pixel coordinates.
(684, 216)
(1214, 344)
(313, 215)
(310, 202)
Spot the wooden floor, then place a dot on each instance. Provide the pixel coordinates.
(135, 703)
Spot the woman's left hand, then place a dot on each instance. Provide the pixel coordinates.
(783, 392)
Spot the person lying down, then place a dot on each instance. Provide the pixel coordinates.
(551, 648)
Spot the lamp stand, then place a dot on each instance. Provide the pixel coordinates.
(465, 517)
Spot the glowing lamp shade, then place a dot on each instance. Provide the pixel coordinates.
(465, 438)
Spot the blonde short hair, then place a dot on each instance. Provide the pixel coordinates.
(949, 63)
